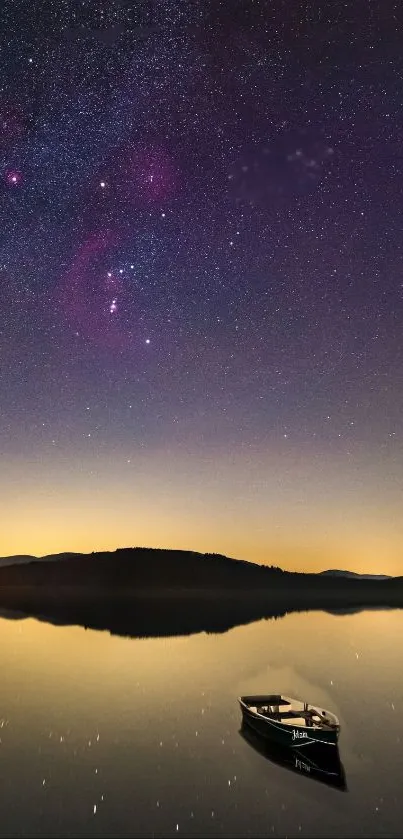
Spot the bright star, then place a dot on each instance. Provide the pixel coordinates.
(13, 177)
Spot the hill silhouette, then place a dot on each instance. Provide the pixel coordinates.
(152, 592)
(135, 568)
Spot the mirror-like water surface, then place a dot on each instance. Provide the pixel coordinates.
(107, 736)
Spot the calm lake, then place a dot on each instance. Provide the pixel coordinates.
(109, 736)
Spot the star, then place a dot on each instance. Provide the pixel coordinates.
(13, 177)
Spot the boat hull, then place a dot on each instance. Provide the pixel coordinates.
(294, 737)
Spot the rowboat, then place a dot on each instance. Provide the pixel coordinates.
(290, 722)
(317, 763)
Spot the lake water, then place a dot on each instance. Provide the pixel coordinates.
(108, 736)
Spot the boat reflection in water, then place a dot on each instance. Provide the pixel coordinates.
(318, 763)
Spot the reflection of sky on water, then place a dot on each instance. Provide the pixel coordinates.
(130, 737)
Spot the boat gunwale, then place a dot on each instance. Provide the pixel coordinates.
(286, 726)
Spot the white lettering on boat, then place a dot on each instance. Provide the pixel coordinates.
(299, 764)
(298, 735)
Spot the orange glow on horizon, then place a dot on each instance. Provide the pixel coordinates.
(283, 508)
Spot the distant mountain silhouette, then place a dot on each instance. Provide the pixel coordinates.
(22, 559)
(15, 560)
(147, 592)
(336, 573)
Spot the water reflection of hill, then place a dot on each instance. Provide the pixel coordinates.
(138, 616)
(149, 615)
(144, 592)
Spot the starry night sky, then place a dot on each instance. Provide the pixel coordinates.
(201, 268)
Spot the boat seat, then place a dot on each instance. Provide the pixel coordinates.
(302, 716)
(282, 715)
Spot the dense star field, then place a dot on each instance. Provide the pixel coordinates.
(201, 278)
